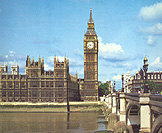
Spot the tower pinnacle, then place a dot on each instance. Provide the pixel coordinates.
(90, 19)
(90, 29)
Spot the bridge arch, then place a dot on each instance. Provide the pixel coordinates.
(157, 125)
(133, 116)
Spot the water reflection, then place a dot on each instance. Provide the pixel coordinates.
(68, 122)
(48, 122)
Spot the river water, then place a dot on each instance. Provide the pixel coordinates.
(48, 122)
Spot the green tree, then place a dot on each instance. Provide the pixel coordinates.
(159, 88)
(103, 89)
(153, 87)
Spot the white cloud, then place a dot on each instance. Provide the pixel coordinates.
(117, 78)
(110, 51)
(21, 64)
(11, 63)
(77, 52)
(134, 70)
(80, 73)
(123, 64)
(107, 80)
(72, 62)
(11, 53)
(60, 58)
(104, 81)
(109, 47)
(150, 40)
(75, 63)
(153, 12)
(155, 29)
(50, 59)
(47, 67)
(157, 64)
(12, 58)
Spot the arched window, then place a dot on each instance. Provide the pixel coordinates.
(148, 76)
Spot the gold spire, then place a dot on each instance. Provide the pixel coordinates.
(42, 59)
(145, 58)
(91, 15)
(33, 59)
(39, 59)
(90, 22)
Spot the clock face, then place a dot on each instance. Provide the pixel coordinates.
(90, 45)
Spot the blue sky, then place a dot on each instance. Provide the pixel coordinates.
(127, 31)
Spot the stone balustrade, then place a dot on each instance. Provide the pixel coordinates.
(135, 109)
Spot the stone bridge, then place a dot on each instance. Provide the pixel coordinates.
(143, 112)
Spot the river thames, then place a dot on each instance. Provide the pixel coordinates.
(48, 122)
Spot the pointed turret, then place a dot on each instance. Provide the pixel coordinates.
(33, 63)
(39, 59)
(28, 61)
(65, 59)
(90, 29)
(42, 66)
(33, 60)
(39, 62)
(145, 61)
(76, 75)
(90, 19)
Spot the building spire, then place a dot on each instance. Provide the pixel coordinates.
(90, 29)
(90, 12)
(90, 19)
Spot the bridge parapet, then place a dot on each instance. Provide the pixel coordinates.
(132, 96)
(156, 100)
(125, 104)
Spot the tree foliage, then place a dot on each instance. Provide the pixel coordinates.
(153, 87)
(103, 89)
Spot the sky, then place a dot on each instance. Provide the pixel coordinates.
(127, 32)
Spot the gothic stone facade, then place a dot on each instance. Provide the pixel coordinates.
(90, 90)
(134, 83)
(38, 85)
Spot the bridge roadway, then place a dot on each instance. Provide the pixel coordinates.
(137, 110)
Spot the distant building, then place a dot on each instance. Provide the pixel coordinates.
(38, 85)
(111, 87)
(3, 68)
(99, 83)
(15, 69)
(127, 80)
(134, 83)
(81, 88)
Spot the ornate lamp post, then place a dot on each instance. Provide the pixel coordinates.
(122, 82)
(145, 68)
(114, 86)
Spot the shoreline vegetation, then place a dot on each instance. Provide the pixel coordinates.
(9, 107)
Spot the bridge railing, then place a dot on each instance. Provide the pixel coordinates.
(156, 100)
(132, 96)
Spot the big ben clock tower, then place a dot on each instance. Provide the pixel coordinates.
(90, 62)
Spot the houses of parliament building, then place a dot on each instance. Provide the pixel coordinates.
(38, 85)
